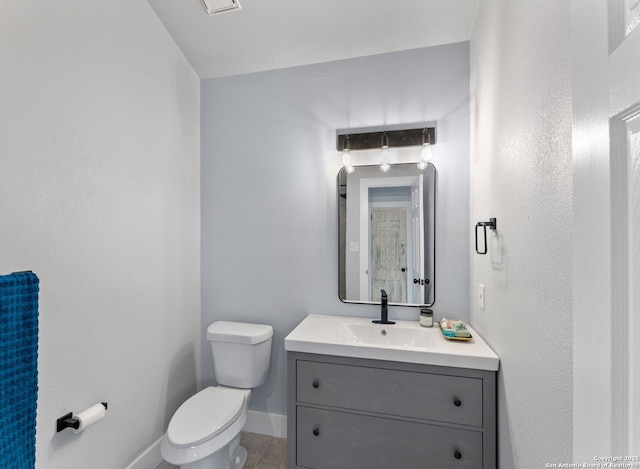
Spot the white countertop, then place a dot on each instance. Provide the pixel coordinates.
(329, 335)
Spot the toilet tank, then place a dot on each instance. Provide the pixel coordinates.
(241, 353)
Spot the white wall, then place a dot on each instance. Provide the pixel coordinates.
(521, 174)
(99, 195)
(269, 198)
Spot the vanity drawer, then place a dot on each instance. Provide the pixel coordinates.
(429, 396)
(332, 439)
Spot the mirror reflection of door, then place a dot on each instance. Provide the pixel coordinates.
(389, 252)
(391, 238)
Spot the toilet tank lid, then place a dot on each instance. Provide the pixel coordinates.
(239, 332)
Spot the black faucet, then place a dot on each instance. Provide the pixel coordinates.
(383, 310)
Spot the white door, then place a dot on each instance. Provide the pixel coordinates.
(389, 253)
(624, 132)
(606, 341)
(417, 241)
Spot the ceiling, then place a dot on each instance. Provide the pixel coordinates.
(274, 34)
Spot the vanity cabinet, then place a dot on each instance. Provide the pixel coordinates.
(373, 414)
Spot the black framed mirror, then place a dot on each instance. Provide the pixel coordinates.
(386, 234)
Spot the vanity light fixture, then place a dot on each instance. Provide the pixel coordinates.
(349, 141)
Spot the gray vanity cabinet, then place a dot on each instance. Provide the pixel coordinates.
(350, 413)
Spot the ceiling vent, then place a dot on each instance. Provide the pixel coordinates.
(214, 7)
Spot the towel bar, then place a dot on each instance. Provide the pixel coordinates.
(492, 224)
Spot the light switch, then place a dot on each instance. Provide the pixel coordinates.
(481, 296)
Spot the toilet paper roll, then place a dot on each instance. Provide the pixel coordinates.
(90, 416)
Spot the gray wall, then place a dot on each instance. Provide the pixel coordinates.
(269, 167)
(522, 174)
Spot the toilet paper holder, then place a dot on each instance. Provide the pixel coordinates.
(67, 421)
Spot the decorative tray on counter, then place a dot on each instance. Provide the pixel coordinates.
(454, 338)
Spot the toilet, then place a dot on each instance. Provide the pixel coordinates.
(204, 433)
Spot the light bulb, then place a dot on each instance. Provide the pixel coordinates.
(385, 158)
(422, 165)
(349, 169)
(346, 158)
(426, 154)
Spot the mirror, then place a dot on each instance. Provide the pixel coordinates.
(387, 234)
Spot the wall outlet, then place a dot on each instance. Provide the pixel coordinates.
(481, 296)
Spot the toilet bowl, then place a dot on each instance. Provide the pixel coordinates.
(204, 433)
(205, 424)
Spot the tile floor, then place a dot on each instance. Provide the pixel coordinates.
(265, 452)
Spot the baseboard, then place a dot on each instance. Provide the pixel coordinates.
(266, 424)
(150, 458)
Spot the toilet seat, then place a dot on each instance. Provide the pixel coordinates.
(205, 415)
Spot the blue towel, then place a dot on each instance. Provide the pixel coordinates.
(18, 369)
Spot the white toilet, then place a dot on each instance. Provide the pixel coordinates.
(204, 433)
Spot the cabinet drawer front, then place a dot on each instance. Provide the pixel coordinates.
(332, 439)
(429, 396)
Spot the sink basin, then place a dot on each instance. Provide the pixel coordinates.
(385, 335)
(405, 341)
